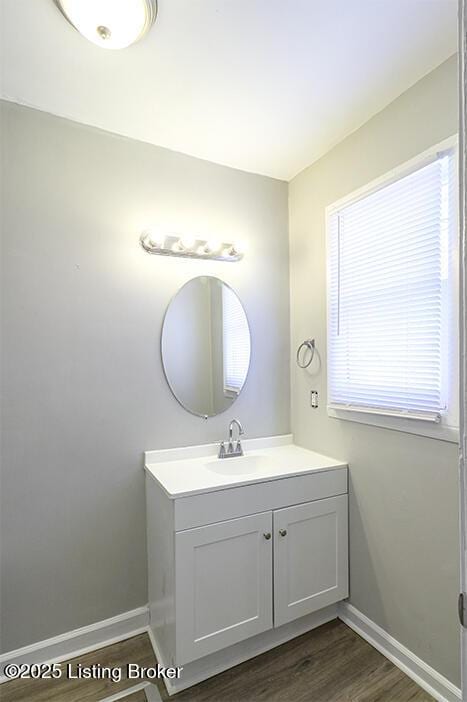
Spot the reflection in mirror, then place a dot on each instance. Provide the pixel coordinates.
(206, 346)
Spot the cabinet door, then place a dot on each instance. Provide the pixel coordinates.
(223, 589)
(310, 557)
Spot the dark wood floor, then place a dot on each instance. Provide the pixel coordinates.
(136, 697)
(135, 650)
(329, 664)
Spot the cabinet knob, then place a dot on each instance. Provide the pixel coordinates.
(283, 532)
(267, 535)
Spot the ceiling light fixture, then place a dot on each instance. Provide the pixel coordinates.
(112, 24)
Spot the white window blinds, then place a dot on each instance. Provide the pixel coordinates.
(236, 342)
(388, 295)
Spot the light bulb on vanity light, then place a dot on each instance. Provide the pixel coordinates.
(187, 242)
(212, 246)
(112, 24)
(154, 237)
(236, 249)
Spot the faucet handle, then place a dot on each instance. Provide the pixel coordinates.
(238, 449)
(221, 450)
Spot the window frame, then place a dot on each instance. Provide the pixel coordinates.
(228, 390)
(448, 428)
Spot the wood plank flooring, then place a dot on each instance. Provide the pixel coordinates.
(329, 664)
(135, 650)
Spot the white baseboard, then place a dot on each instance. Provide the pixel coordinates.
(80, 641)
(123, 626)
(215, 663)
(160, 659)
(151, 693)
(424, 675)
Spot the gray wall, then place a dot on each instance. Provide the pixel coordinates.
(83, 388)
(403, 503)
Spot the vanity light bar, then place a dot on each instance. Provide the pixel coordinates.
(189, 247)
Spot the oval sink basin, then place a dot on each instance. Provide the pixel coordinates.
(239, 465)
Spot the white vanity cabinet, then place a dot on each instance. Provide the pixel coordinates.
(223, 589)
(310, 557)
(243, 568)
(225, 577)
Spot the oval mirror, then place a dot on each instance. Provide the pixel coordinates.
(206, 346)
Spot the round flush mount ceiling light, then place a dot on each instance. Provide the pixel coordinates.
(112, 24)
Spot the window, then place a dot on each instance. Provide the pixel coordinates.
(392, 299)
(236, 342)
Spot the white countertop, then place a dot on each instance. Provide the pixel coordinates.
(186, 471)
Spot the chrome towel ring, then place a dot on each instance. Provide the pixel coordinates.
(307, 344)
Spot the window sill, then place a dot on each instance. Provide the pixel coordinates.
(441, 431)
(231, 394)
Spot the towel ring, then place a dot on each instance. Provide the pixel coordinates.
(310, 345)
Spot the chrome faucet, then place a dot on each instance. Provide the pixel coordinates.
(230, 451)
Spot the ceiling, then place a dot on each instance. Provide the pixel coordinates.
(263, 85)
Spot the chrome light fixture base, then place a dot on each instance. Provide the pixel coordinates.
(101, 31)
(173, 245)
